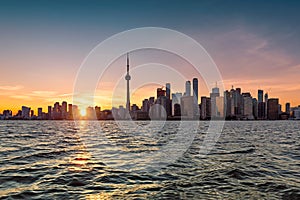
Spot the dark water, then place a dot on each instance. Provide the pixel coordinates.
(58, 160)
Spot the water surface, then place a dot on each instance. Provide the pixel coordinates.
(59, 160)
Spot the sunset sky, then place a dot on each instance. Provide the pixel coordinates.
(255, 44)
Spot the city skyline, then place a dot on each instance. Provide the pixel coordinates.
(220, 106)
(45, 43)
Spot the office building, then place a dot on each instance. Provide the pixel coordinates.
(273, 113)
(187, 88)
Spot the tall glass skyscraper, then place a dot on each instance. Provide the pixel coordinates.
(195, 89)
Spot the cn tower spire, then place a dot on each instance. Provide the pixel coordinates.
(127, 78)
(127, 63)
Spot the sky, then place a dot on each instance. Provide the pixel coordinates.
(255, 44)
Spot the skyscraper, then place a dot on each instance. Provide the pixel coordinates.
(260, 95)
(266, 105)
(64, 109)
(273, 113)
(195, 89)
(176, 100)
(127, 78)
(168, 90)
(187, 88)
(261, 105)
(213, 96)
(288, 108)
(169, 103)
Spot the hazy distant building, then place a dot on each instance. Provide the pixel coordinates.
(266, 105)
(175, 100)
(40, 113)
(134, 107)
(25, 112)
(97, 111)
(247, 106)
(187, 107)
(220, 106)
(205, 111)
(90, 113)
(177, 110)
(160, 92)
(7, 114)
(296, 113)
(145, 105)
(64, 106)
(254, 108)
(273, 113)
(49, 112)
(213, 96)
(288, 108)
(227, 104)
(168, 90)
(187, 88)
(70, 111)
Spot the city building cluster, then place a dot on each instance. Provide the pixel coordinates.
(233, 105)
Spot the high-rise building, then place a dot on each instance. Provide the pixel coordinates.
(227, 104)
(145, 105)
(98, 112)
(25, 112)
(158, 110)
(70, 111)
(169, 102)
(40, 113)
(266, 105)
(213, 96)
(175, 100)
(168, 90)
(260, 95)
(205, 108)
(160, 92)
(127, 78)
(90, 113)
(296, 113)
(187, 107)
(177, 110)
(187, 88)
(273, 113)
(288, 108)
(247, 110)
(195, 89)
(220, 106)
(255, 108)
(64, 106)
(49, 112)
(31, 113)
(261, 105)
(151, 101)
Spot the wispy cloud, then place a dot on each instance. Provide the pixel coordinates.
(23, 97)
(11, 88)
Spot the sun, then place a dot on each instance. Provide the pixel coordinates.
(82, 112)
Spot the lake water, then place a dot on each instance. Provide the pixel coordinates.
(63, 160)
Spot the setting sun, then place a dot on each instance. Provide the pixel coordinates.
(82, 112)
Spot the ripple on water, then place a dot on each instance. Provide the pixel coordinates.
(56, 160)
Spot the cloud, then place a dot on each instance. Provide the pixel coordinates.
(24, 97)
(11, 88)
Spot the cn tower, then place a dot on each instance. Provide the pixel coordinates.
(127, 78)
